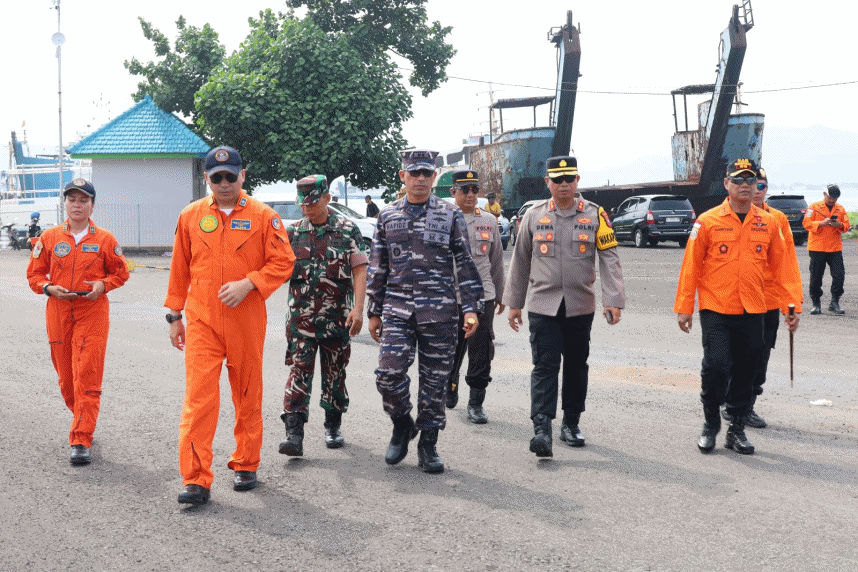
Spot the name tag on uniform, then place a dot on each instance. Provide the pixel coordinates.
(238, 224)
(89, 248)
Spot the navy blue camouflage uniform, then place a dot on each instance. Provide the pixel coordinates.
(411, 288)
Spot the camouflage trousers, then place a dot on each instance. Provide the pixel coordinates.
(334, 354)
(436, 345)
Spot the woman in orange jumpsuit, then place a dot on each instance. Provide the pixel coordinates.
(74, 265)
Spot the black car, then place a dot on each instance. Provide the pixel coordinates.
(794, 207)
(650, 219)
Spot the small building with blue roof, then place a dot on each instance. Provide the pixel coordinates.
(147, 165)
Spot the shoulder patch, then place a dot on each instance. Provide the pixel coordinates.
(275, 222)
(37, 250)
(117, 250)
(605, 237)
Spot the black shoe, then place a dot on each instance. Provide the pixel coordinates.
(80, 455)
(244, 480)
(724, 415)
(476, 414)
(569, 432)
(835, 307)
(711, 426)
(427, 457)
(403, 432)
(540, 444)
(737, 440)
(194, 494)
(452, 395)
(817, 308)
(755, 421)
(333, 435)
(294, 443)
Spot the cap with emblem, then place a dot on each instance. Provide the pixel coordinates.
(223, 158)
(462, 178)
(833, 191)
(557, 166)
(742, 166)
(761, 174)
(311, 189)
(414, 159)
(81, 185)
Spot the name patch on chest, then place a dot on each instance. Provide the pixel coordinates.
(239, 224)
(89, 248)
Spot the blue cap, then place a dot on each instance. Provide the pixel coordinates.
(415, 159)
(35, 214)
(223, 158)
(81, 185)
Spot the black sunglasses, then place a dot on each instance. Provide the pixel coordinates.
(427, 173)
(470, 189)
(564, 179)
(218, 177)
(762, 186)
(739, 180)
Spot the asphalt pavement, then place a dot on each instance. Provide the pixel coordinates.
(638, 497)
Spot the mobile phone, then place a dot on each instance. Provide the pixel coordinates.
(833, 217)
(609, 316)
(80, 292)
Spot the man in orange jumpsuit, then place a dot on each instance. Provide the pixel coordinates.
(825, 222)
(74, 265)
(231, 252)
(730, 250)
(792, 283)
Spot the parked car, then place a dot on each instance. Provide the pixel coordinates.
(503, 222)
(650, 219)
(515, 222)
(794, 207)
(290, 211)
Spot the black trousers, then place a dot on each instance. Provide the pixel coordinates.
(553, 337)
(480, 348)
(771, 321)
(818, 260)
(732, 350)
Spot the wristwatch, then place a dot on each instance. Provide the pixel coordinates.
(171, 318)
(45, 289)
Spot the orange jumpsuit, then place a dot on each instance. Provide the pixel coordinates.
(211, 249)
(824, 238)
(790, 273)
(77, 329)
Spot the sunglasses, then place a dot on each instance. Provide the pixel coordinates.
(739, 180)
(564, 179)
(470, 189)
(426, 173)
(762, 186)
(218, 177)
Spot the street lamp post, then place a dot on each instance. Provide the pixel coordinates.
(58, 40)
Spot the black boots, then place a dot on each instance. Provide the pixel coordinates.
(755, 421)
(452, 394)
(476, 414)
(569, 432)
(427, 457)
(403, 432)
(835, 307)
(294, 443)
(711, 426)
(540, 444)
(333, 436)
(817, 307)
(736, 439)
(80, 455)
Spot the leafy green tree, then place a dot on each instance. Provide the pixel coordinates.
(182, 70)
(296, 100)
(400, 26)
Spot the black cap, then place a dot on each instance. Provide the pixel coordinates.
(563, 165)
(223, 158)
(467, 177)
(833, 191)
(761, 174)
(81, 185)
(742, 166)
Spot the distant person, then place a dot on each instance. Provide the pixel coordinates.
(826, 221)
(487, 253)
(412, 305)
(555, 259)
(791, 282)
(326, 296)
(372, 209)
(230, 254)
(493, 206)
(75, 265)
(731, 250)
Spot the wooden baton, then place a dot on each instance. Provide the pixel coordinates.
(791, 314)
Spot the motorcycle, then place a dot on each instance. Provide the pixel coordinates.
(17, 237)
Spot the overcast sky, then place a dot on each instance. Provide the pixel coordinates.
(627, 46)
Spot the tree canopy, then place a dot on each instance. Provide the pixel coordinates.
(182, 70)
(396, 25)
(295, 100)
